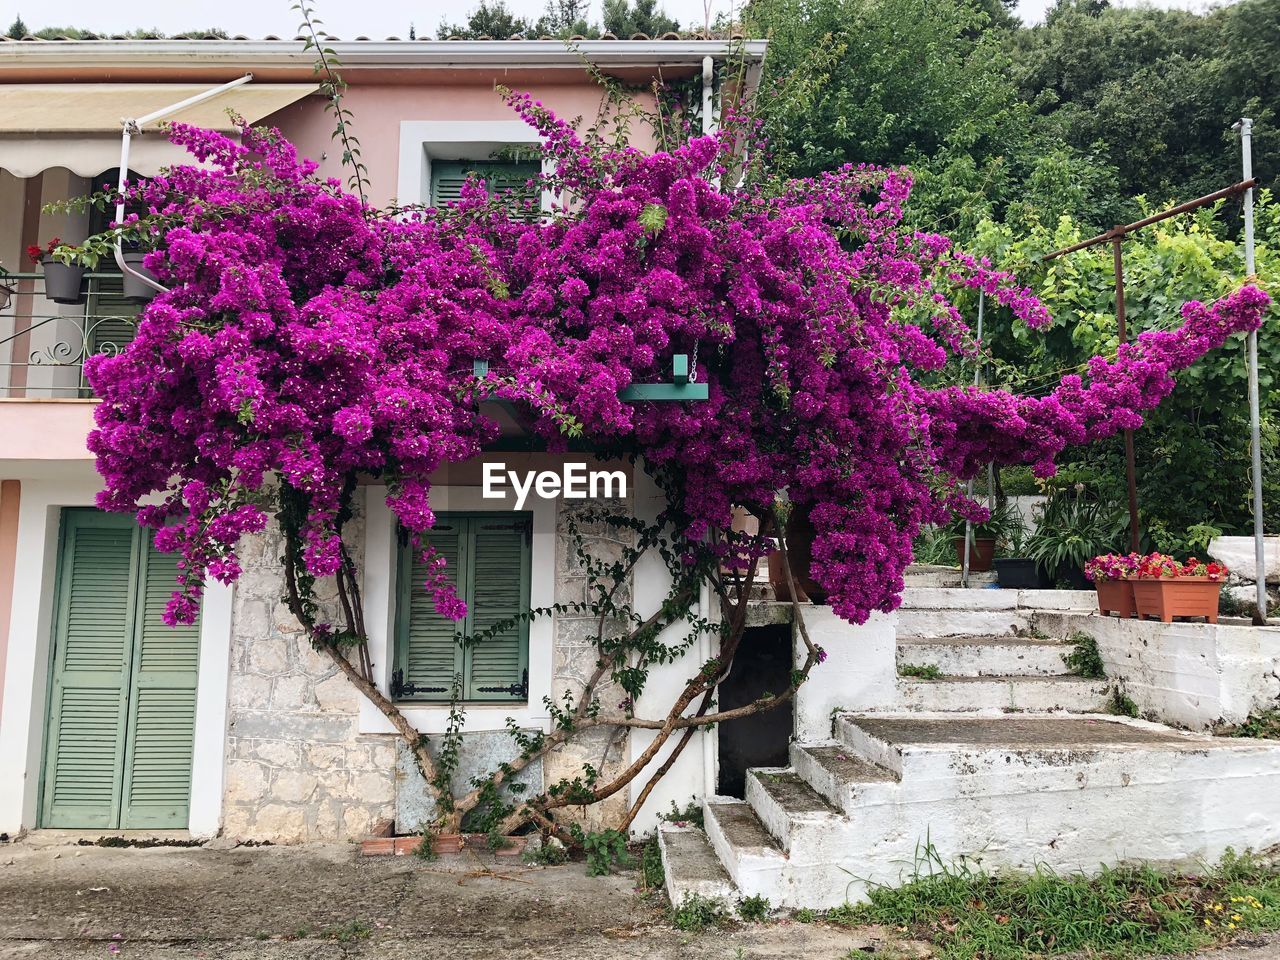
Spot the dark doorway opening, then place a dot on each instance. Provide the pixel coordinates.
(762, 665)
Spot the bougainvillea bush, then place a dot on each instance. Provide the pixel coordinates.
(307, 341)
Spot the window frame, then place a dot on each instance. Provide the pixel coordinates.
(466, 580)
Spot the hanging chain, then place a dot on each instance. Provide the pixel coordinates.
(693, 363)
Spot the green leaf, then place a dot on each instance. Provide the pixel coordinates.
(653, 218)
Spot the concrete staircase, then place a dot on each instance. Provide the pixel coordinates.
(1004, 761)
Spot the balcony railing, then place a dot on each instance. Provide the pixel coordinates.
(43, 345)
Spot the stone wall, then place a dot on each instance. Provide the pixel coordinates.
(604, 748)
(297, 767)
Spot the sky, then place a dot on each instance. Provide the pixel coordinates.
(343, 18)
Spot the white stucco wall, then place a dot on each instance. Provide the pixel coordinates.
(860, 672)
(1189, 674)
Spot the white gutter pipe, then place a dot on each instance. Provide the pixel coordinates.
(130, 127)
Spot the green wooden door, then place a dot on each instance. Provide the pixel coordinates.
(122, 693)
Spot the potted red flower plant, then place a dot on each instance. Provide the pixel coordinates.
(1111, 573)
(1164, 588)
(62, 277)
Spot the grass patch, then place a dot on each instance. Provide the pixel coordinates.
(692, 813)
(651, 871)
(698, 913)
(1260, 726)
(1121, 912)
(1085, 659)
(754, 909)
(1122, 705)
(925, 671)
(348, 932)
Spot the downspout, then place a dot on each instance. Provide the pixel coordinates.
(708, 100)
(710, 753)
(131, 127)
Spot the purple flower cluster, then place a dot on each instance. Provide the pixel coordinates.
(308, 341)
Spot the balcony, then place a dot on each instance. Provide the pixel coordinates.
(43, 345)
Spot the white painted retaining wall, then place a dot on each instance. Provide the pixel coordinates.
(860, 672)
(1189, 674)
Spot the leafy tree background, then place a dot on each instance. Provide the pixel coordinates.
(1025, 139)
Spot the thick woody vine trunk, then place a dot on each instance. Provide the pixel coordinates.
(348, 650)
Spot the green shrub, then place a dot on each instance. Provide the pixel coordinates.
(698, 912)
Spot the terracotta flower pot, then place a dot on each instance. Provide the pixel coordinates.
(1115, 596)
(62, 281)
(447, 843)
(1169, 597)
(799, 555)
(981, 554)
(378, 847)
(407, 845)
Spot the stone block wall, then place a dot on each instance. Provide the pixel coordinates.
(297, 767)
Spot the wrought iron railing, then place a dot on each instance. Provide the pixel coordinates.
(43, 344)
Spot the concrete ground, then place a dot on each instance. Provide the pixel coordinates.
(323, 901)
(61, 900)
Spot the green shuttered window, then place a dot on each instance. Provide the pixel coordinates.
(123, 692)
(487, 557)
(509, 179)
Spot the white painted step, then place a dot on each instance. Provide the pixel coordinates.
(965, 656)
(1016, 792)
(691, 867)
(786, 804)
(750, 855)
(841, 776)
(1027, 694)
(947, 611)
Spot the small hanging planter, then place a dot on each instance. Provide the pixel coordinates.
(62, 281)
(135, 291)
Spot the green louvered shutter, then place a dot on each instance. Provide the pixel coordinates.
(488, 560)
(499, 591)
(157, 770)
(110, 321)
(448, 177)
(429, 658)
(89, 694)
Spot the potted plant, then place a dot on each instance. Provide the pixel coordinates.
(799, 553)
(135, 290)
(1111, 573)
(1072, 531)
(985, 534)
(1017, 570)
(1164, 588)
(62, 276)
(7, 290)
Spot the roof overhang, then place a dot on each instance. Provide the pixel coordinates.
(288, 56)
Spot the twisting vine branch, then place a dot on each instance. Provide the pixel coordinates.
(333, 87)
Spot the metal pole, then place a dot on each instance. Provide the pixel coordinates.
(968, 527)
(132, 126)
(1245, 127)
(1130, 461)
